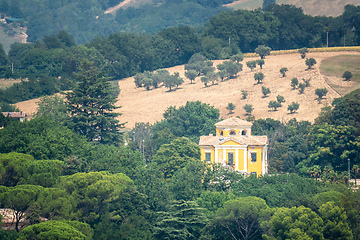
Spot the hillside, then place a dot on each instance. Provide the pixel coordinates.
(139, 105)
(311, 7)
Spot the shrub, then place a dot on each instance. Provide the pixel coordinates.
(244, 94)
(265, 91)
(310, 62)
(280, 99)
(293, 107)
(302, 87)
(321, 92)
(283, 71)
(303, 52)
(251, 64)
(248, 108)
(259, 77)
(347, 75)
(294, 82)
(260, 62)
(274, 104)
(230, 107)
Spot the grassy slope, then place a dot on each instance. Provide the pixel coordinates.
(334, 67)
(139, 105)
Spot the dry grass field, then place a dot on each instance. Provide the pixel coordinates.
(5, 83)
(139, 105)
(311, 7)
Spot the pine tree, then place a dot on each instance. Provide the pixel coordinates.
(184, 220)
(91, 106)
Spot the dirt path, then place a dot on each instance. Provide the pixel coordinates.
(117, 7)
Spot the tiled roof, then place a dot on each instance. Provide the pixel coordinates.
(14, 114)
(233, 122)
(242, 139)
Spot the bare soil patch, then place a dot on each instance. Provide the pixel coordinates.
(5, 83)
(125, 4)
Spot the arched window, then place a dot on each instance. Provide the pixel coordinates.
(221, 133)
(243, 132)
(232, 132)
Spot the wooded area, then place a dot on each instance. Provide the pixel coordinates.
(49, 64)
(74, 166)
(156, 186)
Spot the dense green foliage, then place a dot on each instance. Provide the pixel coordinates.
(192, 120)
(154, 186)
(54, 230)
(87, 20)
(174, 195)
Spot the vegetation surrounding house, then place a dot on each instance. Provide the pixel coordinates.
(234, 146)
(71, 166)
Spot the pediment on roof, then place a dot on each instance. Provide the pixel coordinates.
(233, 122)
(231, 142)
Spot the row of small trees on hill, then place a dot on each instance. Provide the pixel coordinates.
(150, 79)
(293, 107)
(199, 66)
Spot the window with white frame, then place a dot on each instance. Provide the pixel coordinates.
(208, 157)
(253, 157)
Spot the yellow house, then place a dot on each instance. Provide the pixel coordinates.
(234, 146)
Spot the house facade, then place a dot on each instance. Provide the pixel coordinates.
(236, 147)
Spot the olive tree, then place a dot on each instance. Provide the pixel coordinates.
(283, 71)
(230, 107)
(260, 62)
(321, 92)
(251, 64)
(347, 75)
(293, 107)
(263, 51)
(274, 105)
(310, 62)
(259, 77)
(303, 52)
(294, 82)
(265, 91)
(248, 108)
